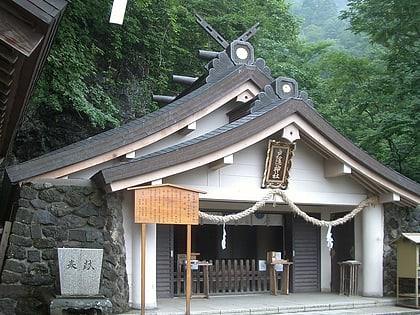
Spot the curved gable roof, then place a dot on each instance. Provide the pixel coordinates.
(231, 138)
(228, 81)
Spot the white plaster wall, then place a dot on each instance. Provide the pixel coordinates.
(242, 180)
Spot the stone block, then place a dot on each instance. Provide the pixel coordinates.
(24, 215)
(77, 235)
(20, 240)
(7, 306)
(85, 210)
(60, 209)
(15, 266)
(20, 229)
(15, 251)
(51, 195)
(74, 198)
(97, 221)
(81, 304)
(80, 270)
(45, 217)
(39, 204)
(43, 243)
(34, 256)
(8, 277)
(36, 231)
(27, 192)
(73, 221)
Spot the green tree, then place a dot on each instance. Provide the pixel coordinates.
(375, 99)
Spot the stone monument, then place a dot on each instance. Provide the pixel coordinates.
(80, 277)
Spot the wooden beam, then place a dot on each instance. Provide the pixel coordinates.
(389, 197)
(291, 133)
(18, 34)
(335, 168)
(245, 96)
(4, 240)
(227, 160)
(187, 129)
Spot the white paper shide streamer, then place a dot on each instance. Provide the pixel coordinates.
(223, 243)
(330, 240)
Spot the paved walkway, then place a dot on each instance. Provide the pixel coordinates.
(295, 303)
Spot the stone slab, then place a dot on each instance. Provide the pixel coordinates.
(80, 270)
(80, 303)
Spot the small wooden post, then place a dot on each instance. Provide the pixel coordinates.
(143, 269)
(188, 267)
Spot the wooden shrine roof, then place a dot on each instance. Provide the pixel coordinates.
(251, 125)
(223, 81)
(136, 134)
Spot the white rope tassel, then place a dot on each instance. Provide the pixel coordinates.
(224, 237)
(330, 240)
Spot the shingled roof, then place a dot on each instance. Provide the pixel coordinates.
(315, 131)
(224, 77)
(267, 113)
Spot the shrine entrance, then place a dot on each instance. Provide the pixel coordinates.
(239, 268)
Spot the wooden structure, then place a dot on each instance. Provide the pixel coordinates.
(272, 261)
(225, 276)
(27, 29)
(349, 277)
(408, 270)
(165, 204)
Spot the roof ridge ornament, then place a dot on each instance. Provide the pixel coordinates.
(240, 51)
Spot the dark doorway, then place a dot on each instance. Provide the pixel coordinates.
(242, 241)
(164, 261)
(303, 248)
(343, 249)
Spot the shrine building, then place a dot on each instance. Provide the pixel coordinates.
(271, 175)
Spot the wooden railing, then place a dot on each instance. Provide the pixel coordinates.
(225, 276)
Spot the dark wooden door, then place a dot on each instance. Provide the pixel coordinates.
(306, 256)
(164, 261)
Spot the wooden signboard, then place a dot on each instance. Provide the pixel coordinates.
(166, 204)
(278, 164)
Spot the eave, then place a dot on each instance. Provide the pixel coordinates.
(143, 131)
(27, 29)
(317, 133)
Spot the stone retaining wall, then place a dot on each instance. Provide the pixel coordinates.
(397, 221)
(61, 213)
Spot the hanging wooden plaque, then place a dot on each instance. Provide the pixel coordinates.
(166, 204)
(278, 164)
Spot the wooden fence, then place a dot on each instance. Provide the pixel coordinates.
(225, 276)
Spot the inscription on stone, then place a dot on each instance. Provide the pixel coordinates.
(80, 270)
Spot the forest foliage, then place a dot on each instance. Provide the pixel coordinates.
(360, 66)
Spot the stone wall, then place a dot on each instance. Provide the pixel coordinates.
(61, 213)
(397, 221)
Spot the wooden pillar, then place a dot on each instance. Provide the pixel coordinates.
(143, 269)
(188, 268)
